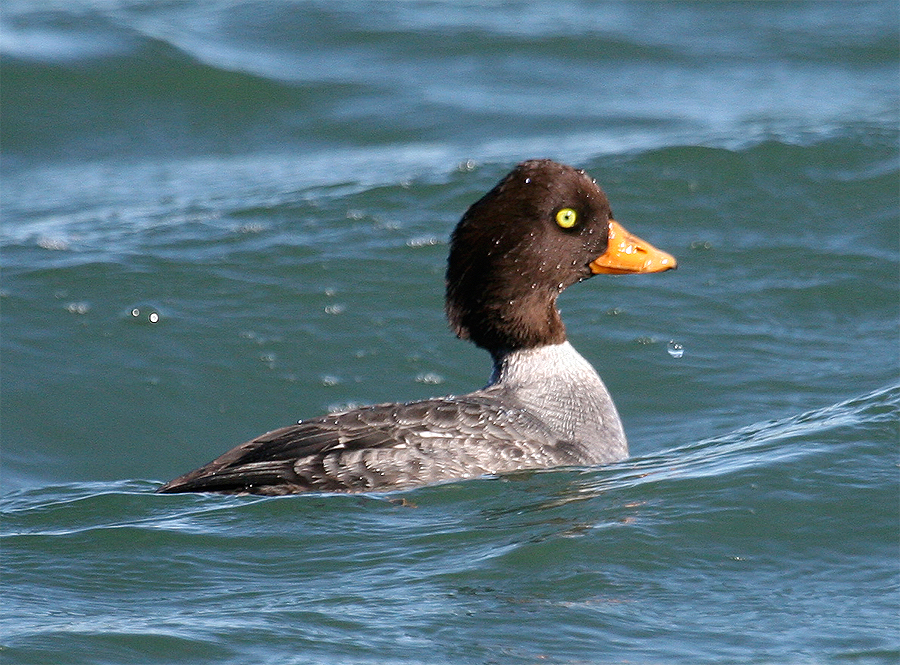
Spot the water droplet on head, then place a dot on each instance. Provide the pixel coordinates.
(675, 349)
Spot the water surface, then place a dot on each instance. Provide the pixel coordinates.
(220, 217)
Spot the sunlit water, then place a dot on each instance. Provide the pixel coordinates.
(220, 217)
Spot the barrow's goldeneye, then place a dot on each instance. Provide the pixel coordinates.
(544, 227)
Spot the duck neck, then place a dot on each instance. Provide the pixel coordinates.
(503, 318)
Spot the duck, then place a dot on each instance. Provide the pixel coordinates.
(544, 227)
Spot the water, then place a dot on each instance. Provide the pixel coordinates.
(220, 217)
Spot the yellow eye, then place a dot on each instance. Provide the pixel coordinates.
(566, 218)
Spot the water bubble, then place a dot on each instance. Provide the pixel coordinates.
(152, 315)
(78, 307)
(429, 378)
(675, 349)
(423, 241)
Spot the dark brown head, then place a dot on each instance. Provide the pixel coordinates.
(543, 227)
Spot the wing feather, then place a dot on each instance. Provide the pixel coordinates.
(385, 446)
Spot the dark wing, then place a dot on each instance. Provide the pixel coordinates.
(383, 447)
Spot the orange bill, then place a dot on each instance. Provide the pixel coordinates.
(628, 254)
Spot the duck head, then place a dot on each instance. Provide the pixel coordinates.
(542, 228)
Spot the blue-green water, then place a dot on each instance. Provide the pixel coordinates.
(276, 182)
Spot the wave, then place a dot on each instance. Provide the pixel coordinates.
(92, 213)
(777, 441)
(241, 78)
(872, 420)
